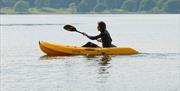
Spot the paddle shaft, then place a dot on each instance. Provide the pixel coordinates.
(85, 35)
(79, 32)
(73, 29)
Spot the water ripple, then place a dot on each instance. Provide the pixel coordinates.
(47, 24)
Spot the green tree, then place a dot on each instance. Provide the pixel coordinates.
(138, 3)
(73, 8)
(62, 3)
(1, 4)
(160, 4)
(31, 2)
(99, 7)
(114, 4)
(9, 3)
(147, 5)
(56, 3)
(83, 7)
(42, 3)
(119, 3)
(130, 5)
(91, 3)
(21, 6)
(172, 6)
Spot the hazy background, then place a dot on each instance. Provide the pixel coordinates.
(89, 6)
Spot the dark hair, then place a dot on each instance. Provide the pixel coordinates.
(102, 25)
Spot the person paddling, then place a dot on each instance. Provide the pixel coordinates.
(103, 37)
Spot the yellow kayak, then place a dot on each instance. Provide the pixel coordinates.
(54, 49)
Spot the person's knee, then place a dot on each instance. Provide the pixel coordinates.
(113, 45)
(89, 43)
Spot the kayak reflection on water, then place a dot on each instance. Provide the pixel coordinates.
(104, 59)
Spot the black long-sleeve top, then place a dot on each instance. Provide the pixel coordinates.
(105, 37)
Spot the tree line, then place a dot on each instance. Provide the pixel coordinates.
(90, 6)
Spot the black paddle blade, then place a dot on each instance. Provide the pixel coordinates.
(70, 28)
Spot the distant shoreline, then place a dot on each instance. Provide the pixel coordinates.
(89, 7)
(49, 11)
(95, 14)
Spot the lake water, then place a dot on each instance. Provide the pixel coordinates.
(24, 67)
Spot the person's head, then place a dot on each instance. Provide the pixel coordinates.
(101, 26)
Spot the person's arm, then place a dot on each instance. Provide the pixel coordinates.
(92, 37)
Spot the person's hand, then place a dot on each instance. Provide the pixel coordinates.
(99, 40)
(84, 34)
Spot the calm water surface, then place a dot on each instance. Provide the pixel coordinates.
(25, 68)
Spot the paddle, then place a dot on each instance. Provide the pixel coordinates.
(72, 29)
